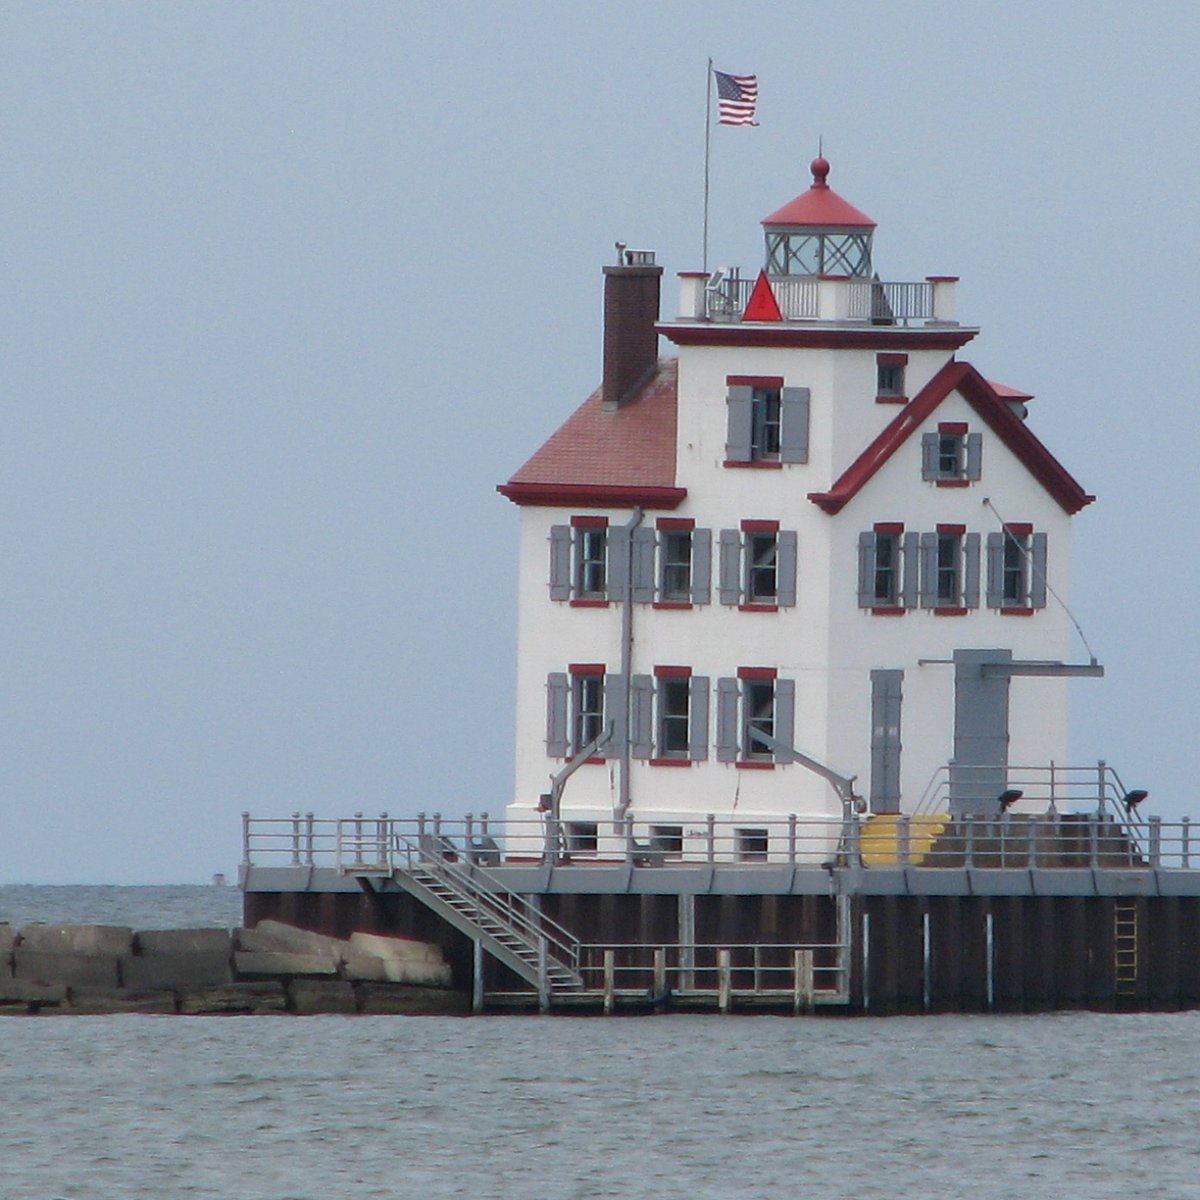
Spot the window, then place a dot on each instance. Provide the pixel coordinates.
(952, 456)
(591, 563)
(887, 561)
(587, 709)
(750, 845)
(758, 566)
(581, 703)
(767, 422)
(756, 702)
(582, 837)
(950, 570)
(889, 378)
(668, 839)
(669, 723)
(1016, 570)
(684, 564)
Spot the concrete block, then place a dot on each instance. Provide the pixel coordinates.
(259, 963)
(271, 937)
(108, 941)
(200, 969)
(322, 996)
(75, 970)
(95, 1001)
(153, 942)
(22, 993)
(381, 999)
(396, 949)
(8, 935)
(235, 998)
(364, 967)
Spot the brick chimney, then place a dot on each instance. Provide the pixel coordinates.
(631, 292)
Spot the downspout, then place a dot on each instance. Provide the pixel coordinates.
(624, 796)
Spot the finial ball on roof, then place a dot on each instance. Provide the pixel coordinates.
(820, 170)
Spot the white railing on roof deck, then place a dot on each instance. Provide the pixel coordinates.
(808, 298)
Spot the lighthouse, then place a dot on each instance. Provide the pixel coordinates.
(812, 561)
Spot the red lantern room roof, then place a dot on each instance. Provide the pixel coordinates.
(820, 205)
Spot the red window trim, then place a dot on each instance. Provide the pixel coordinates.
(675, 524)
(959, 530)
(762, 381)
(890, 527)
(952, 428)
(589, 522)
(1016, 612)
(889, 610)
(586, 669)
(672, 672)
(953, 483)
(755, 464)
(1019, 528)
(754, 764)
(588, 603)
(891, 399)
(760, 526)
(672, 605)
(758, 674)
(670, 762)
(949, 612)
(888, 359)
(758, 608)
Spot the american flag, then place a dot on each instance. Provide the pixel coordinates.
(737, 96)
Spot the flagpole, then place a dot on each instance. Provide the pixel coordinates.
(707, 143)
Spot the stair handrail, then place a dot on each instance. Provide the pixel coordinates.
(480, 886)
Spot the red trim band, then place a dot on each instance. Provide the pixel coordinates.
(887, 359)
(753, 764)
(760, 526)
(591, 495)
(672, 605)
(673, 672)
(670, 762)
(756, 463)
(589, 522)
(797, 337)
(758, 674)
(889, 527)
(762, 381)
(588, 603)
(759, 608)
(953, 428)
(585, 668)
(952, 529)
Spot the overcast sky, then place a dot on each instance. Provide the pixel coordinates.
(288, 288)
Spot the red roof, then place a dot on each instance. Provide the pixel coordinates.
(820, 205)
(609, 457)
(991, 406)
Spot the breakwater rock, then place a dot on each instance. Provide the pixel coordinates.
(271, 968)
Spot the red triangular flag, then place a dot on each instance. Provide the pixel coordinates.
(763, 305)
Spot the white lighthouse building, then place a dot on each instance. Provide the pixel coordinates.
(815, 560)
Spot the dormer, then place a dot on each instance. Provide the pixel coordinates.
(819, 234)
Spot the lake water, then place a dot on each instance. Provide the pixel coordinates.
(321, 1108)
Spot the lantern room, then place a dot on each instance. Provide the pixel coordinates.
(819, 233)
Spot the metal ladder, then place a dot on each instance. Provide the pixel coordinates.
(474, 902)
(1125, 947)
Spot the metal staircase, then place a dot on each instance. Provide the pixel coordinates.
(472, 900)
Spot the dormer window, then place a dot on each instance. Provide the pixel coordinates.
(951, 457)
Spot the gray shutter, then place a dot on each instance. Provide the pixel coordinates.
(1037, 572)
(995, 570)
(643, 565)
(616, 573)
(701, 566)
(698, 718)
(785, 567)
(929, 456)
(910, 586)
(866, 569)
(614, 713)
(971, 571)
(929, 549)
(558, 691)
(727, 720)
(737, 441)
(974, 456)
(885, 740)
(730, 583)
(642, 719)
(793, 434)
(560, 562)
(785, 718)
